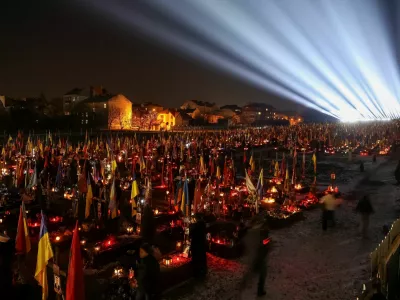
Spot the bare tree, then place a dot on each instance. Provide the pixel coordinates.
(142, 119)
(114, 115)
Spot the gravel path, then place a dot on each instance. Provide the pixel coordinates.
(306, 263)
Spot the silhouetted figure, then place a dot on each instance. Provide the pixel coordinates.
(365, 209)
(374, 158)
(148, 274)
(6, 258)
(397, 173)
(378, 295)
(148, 227)
(256, 242)
(198, 248)
(362, 167)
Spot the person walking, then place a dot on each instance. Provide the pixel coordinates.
(6, 258)
(148, 274)
(199, 248)
(256, 243)
(328, 210)
(365, 209)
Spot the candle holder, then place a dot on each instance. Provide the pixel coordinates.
(179, 247)
(167, 261)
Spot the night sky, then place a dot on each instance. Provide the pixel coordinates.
(54, 46)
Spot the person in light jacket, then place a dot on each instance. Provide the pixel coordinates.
(328, 209)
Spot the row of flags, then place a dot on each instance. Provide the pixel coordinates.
(75, 278)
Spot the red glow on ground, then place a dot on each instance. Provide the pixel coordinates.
(160, 186)
(266, 241)
(56, 219)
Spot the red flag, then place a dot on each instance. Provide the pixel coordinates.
(22, 243)
(75, 281)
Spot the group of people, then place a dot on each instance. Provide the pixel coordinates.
(329, 204)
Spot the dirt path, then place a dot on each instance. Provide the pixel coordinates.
(306, 263)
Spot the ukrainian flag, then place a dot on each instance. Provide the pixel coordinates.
(134, 193)
(45, 253)
(113, 201)
(185, 196)
(89, 198)
(260, 184)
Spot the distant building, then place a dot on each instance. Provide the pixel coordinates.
(193, 113)
(214, 117)
(77, 95)
(105, 111)
(166, 119)
(201, 107)
(182, 119)
(232, 107)
(152, 107)
(13, 103)
(256, 112)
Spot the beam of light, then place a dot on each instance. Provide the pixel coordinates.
(333, 56)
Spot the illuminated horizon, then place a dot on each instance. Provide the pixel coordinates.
(336, 57)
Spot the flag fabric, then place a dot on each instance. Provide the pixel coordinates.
(197, 195)
(178, 194)
(294, 166)
(260, 184)
(45, 253)
(314, 159)
(75, 289)
(89, 198)
(202, 167)
(185, 196)
(250, 185)
(252, 163)
(113, 166)
(287, 184)
(113, 201)
(22, 243)
(276, 172)
(218, 172)
(134, 193)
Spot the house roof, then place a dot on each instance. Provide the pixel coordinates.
(98, 99)
(187, 110)
(183, 115)
(75, 91)
(254, 105)
(231, 107)
(150, 104)
(203, 103)
(168, 110)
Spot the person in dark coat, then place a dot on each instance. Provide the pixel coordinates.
(260, 261)
(198, 248)
(6, 258)
(378, 295)
(365, 209)
(256, 242)
(148, 274)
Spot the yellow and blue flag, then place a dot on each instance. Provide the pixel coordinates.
(134, 192)
(260, 184)
(113, 201)
(45, 253)
(89, 198)
(185, 196)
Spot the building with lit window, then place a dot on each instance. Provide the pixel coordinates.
(257, 112)
(77, 95)
(104, 112)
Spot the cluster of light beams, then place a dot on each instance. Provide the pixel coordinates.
(334, 56)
